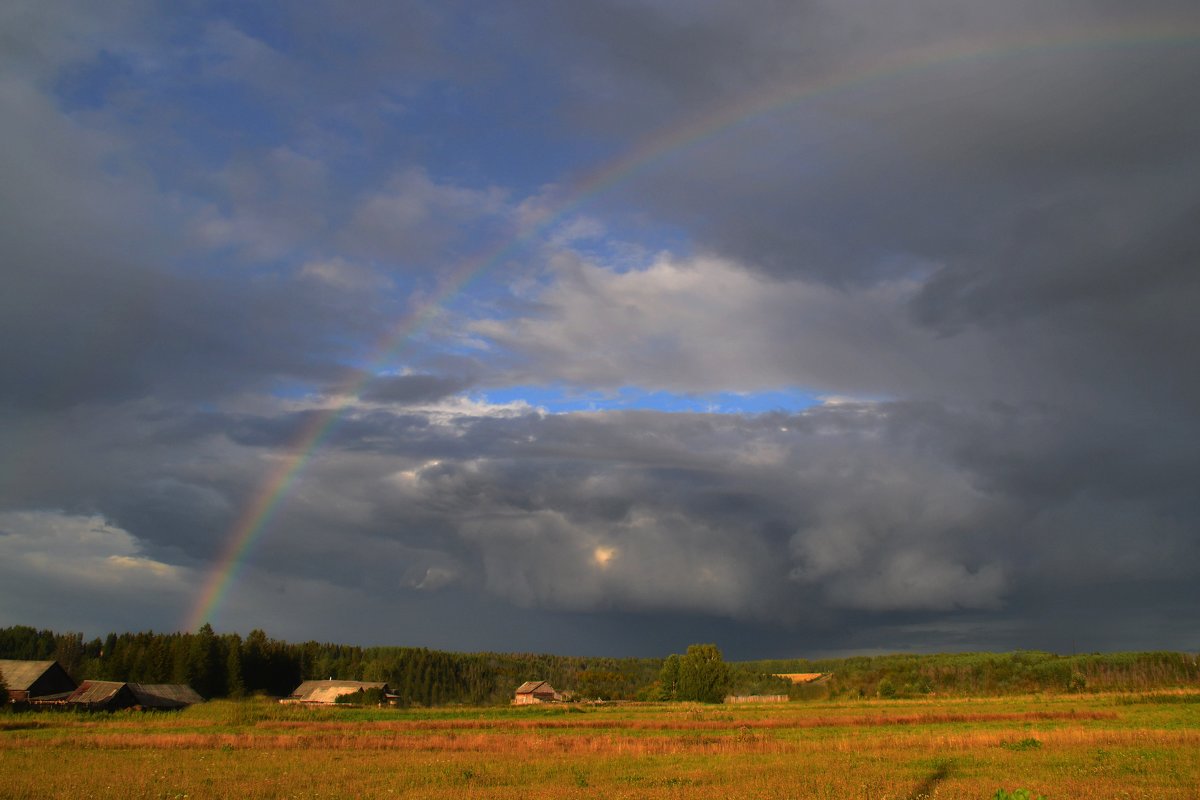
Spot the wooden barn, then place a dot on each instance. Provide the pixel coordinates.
(101, 696)
(325, 693)
(116, 695)
(35, 680)
(531, 692)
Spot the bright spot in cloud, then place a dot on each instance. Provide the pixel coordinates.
(603, 555)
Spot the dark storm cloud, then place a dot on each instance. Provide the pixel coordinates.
(840, 527)
(207, 216)
(879, 515)
(907, 169)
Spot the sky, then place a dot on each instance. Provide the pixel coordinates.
(603, 327)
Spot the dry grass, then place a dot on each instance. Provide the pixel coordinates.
(1063, 748)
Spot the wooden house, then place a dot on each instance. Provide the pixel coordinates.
(532, 692)
(35, 680)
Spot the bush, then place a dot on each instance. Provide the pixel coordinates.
(1016, 794)
(363, 697)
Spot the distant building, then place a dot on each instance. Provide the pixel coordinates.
(116, 695)
(325, 693)
(532, 692)
(35, 680)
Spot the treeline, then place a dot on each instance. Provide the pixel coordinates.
(228, 665)
(979, 674)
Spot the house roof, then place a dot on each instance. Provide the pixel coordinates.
(147, 695)
(330, 691)
(20, 675)
(96, 692)
(164, 695)
(531, 687)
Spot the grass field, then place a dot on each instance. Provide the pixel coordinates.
(1068, 746)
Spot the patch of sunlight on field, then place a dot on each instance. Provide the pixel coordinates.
(1070, 746)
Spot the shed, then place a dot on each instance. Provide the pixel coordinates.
(531, 692)
(327, 692)
(30, 680)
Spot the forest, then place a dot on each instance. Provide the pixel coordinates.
(230, 665)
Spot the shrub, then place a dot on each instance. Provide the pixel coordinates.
(363, 697)
(1016, 794)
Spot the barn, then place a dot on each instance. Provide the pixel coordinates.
(35, 680)
(325, 693)
(101, 696)
(531, 692)
(116, 695)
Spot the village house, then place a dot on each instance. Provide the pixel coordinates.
(532, 692)
(326, 693)
(35, 680)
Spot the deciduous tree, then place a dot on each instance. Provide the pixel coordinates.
(703, 674)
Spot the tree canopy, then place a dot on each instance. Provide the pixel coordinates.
(703, 675)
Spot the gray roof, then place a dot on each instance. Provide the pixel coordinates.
(164, 695)
(20, 675)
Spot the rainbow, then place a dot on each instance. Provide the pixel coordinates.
(255, 518)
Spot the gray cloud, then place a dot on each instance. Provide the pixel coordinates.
(414, 388)
(980, 234)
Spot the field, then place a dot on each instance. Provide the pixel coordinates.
(1061, 746)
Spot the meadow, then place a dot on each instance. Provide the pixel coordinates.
(1059, 746)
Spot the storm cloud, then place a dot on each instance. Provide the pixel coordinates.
(496, 283)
